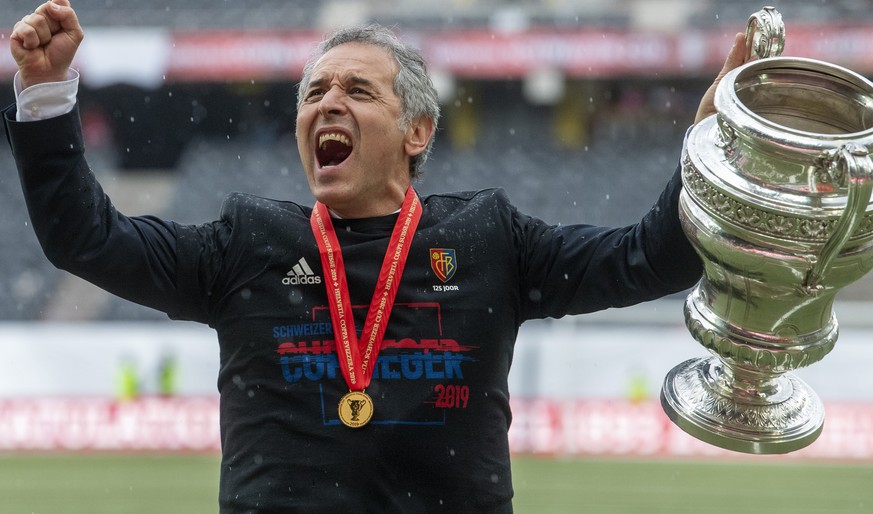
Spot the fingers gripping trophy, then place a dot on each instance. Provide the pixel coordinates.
(777, 202)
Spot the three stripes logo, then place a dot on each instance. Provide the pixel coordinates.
(301, 274)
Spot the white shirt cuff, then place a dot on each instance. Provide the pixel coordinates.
(47, 100)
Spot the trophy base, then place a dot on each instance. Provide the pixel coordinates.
(699, 398)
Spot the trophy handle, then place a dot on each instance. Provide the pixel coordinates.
(857, 170)
(765, 34)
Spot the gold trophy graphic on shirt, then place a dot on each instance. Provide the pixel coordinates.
(776, 201)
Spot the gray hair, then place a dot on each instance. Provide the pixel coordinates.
(412, 84)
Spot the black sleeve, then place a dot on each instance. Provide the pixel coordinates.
(574, 269)
(80, 230)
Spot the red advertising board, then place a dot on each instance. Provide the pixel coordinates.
(548, 427)
(593, 52)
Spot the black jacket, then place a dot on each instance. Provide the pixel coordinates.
(438, 438)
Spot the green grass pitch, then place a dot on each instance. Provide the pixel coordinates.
(188, 484)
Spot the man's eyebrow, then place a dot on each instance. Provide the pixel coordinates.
(353, 79)
(316, 82)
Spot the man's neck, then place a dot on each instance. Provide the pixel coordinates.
(335, 214)
(370, 207)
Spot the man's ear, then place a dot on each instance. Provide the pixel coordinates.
(418, 135)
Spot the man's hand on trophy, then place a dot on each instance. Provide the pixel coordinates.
(735, 58)
(44, 42)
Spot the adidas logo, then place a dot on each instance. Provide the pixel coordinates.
(301, 274)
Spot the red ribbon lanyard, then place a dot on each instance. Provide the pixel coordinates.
(356, 357)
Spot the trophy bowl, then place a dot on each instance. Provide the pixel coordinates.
(776, 201)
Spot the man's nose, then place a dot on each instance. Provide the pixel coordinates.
(332, 102)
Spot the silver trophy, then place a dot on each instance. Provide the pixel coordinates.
(776, 201)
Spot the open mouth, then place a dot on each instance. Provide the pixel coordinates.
(333, 148)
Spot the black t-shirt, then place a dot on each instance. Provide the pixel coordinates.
(477, 269)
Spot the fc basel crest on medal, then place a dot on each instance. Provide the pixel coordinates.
(443, 263)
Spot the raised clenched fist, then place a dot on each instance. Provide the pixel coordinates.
(44, 42)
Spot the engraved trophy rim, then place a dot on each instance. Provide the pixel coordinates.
(732, 108)
(749, 129)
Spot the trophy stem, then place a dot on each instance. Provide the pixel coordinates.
(753, 386)
(742, 410)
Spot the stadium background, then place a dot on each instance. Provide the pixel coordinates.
(577, 108)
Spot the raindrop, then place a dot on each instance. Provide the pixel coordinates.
(494, 478)
(259, 459)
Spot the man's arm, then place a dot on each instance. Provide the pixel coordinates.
(615, 267)
(78, 228)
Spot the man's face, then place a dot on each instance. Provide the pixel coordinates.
(355, 155)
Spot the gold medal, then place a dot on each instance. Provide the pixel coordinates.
(355, 409)
(358, 357)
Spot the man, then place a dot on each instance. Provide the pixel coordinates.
(366, 341)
